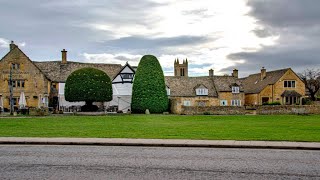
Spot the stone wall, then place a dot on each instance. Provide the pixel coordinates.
(214, 110)
(303, 109)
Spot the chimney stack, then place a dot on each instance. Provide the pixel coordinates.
(64, 56)
(263, 73)
(12, 45)
(235, 73)
(211, 73)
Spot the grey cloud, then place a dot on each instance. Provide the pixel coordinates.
(138, 42)
(285, 13)
(297, 23)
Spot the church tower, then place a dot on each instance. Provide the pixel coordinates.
(181, 69)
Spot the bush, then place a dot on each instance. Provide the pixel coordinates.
(272, 103)
(149, 90)
(89, 85)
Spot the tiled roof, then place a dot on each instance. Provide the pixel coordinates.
(58, 72)
(225, 83)
(254, 84)
(185, 86)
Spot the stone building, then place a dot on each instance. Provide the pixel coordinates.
(26, 77)
(41, 82)
(283, 86)
(204, 91)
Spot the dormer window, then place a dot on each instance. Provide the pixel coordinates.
(235, 89)
(202, 91)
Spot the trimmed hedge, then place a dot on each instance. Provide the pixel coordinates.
(89, 85)
(149, 89)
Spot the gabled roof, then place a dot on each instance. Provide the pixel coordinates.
(123, 67)
(59, 72)
(16, 48)
(184, 86)
(200, 86)
(253, 83)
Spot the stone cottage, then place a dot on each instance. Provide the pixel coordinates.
(283, 86)
(202, 91)
(41, 81)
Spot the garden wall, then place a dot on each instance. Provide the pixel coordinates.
(259, 110)
(299, 109)
(214, 110)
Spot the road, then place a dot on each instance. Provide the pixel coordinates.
(107, 162)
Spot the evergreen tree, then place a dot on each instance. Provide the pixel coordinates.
(89, 85)
(149, 89)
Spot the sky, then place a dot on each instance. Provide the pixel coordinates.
(211, 34)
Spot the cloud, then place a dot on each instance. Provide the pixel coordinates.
(4, 43)
(296, 24)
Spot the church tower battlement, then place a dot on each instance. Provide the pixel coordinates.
(181, 69)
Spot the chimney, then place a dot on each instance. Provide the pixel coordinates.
(12, 45)
(235, 73)
(64, 56)
(211, 73)
(263, 73)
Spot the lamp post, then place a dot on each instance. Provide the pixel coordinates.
(11, 91)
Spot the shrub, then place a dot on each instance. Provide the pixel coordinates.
(89, 85)
(272, 103)
(149, 90)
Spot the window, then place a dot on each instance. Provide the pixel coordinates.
(15, 66)
(235, 89)
(127, 76)
(290, 84)
(236, 102)
(17, 83)
(186, 103)
(202, 92)
(223, 103)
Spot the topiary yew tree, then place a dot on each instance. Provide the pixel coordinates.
(149, 89)
(89, 85)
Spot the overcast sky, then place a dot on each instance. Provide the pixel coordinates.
(217, 34)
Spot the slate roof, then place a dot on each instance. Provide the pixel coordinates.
(253, 83)
(58, 72)
(185, 86)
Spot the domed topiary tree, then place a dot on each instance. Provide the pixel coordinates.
(89, 85)
(149, 89)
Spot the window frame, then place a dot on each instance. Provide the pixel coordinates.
(235, 102)
(202, 92)
(235, 89)
(289, 84)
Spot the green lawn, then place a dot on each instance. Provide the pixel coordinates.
(275, 128)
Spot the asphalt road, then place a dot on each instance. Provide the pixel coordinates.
(105, 162)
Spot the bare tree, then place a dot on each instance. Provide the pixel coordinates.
(311, 79)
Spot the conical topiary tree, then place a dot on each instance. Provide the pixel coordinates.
(149, 89)
(89, 85)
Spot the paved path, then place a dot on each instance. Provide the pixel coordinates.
(163, 143)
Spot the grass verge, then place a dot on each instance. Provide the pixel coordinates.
(271, 128)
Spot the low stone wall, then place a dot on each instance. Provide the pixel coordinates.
(214, 110)
(303, 109)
